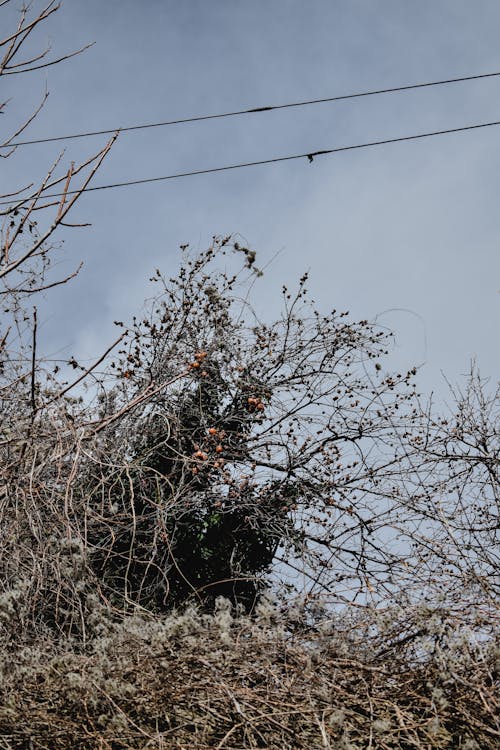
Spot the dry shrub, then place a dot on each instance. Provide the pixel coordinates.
(389, 680)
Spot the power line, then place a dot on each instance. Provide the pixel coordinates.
(307, 155)
(253, 110)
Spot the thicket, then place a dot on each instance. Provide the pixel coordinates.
(388, 679)
(231, 532)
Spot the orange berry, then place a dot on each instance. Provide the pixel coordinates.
(212, 431)
(194, 365)
(218, 448)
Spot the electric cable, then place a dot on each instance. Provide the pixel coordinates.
(253, 110)
(310, 155)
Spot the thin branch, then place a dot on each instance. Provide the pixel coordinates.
(86, 373)
(33, 365)
(41, 17)
(26, 123)
(9, 72)
(44, 288)
(61, 213)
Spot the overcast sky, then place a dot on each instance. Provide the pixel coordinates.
(406, 232)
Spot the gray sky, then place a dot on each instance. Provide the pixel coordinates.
(411, 228)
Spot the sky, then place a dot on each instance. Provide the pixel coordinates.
(406, 234)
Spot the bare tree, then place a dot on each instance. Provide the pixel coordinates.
(233, 452)
(221, 454)
(451, 482)
(32, 213)
(31, 216)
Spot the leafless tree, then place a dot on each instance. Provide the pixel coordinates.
(288, 439)
(217, 453)
(32, 213)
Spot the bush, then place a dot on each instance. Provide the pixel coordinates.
(229, 681)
